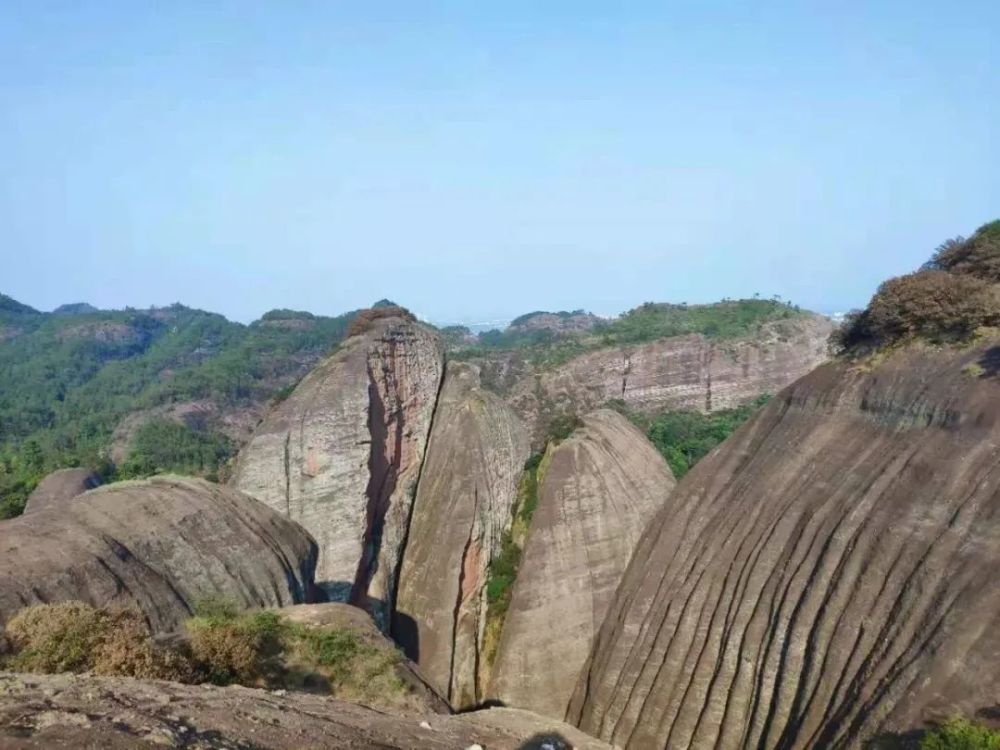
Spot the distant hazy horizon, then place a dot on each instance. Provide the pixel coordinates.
(476, 161)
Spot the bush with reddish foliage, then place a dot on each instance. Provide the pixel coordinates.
(955, 294)
(977, 256)
(364, 319)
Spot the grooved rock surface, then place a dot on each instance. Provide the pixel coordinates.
(684, 372)
(84, 712)
(825, 576)
(468, 486)
(341, 455)
(160, 544)
(597, 491)
(60, 487)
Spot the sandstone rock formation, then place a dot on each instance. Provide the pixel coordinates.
(342, 455)
(825, 576)
(467, 488)
(60, 487)
(118, 713)
(684, 372)
(350, 618)
(597, 490)
(161, 544)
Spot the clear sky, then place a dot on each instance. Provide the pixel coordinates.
(477, 160)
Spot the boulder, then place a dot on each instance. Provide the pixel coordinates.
(826, 577)
(347, 617)
(60, 487)
(597, 490)
(160, 544)
(467, 488)
(119, 713)
(342, 454)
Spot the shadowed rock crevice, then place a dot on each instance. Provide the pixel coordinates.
(383, 468)
(361, 420)
(467, 487)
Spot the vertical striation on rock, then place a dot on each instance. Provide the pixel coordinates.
(825, 576)
(597, 490)
(341, 455)
(463, 504)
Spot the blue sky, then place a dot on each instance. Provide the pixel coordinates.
(475, 161)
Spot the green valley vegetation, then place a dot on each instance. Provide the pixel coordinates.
(648, 322)
(684, 437)
(70, 378)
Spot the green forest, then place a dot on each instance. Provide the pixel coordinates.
(648, 322)
(70, 378)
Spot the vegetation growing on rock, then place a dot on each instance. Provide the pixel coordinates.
(961, 734)
(221, 645)
(648, 322)
(953, 296)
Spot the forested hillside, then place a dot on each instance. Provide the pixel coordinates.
(70, 377)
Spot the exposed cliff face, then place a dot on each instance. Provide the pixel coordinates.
(467, 489)
(597, 491)
(40, 712)
(342, 455)
(826, 575)
(160, 544)
(685, 372)
(60, 487)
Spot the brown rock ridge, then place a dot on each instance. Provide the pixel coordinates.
(60, 487)
(827, 575)
(342, 455)
(467, 488)
(84, 712)
(597, 490)
(160, 544)
(684, 372)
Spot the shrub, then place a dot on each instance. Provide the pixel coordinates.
(53, 638)
(75, 637)
(237, 648)
(961, 734)
(365, 318)
(931, 304)
(977, 256)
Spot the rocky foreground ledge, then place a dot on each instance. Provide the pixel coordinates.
(119, 713)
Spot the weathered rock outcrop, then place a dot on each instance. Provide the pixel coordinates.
(161, 544)
(342, 455)
(684, 372)
(60, 487)
(597, 491)
(827, 575)
(85, 712)
(419, 693)
(467, 488)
